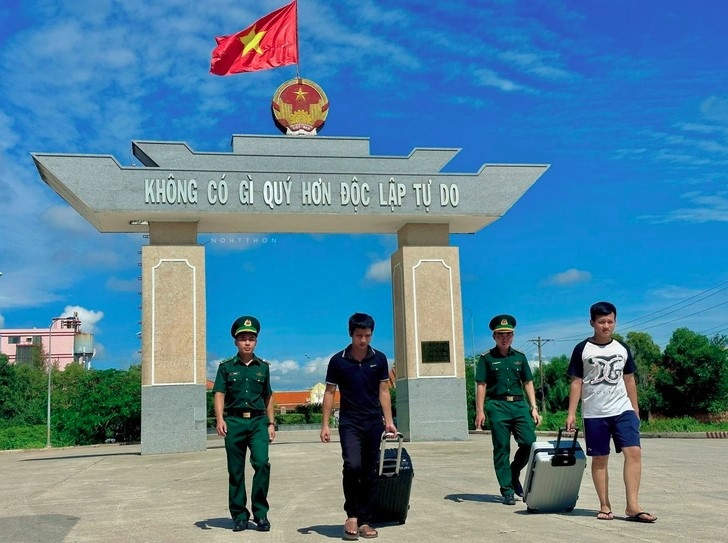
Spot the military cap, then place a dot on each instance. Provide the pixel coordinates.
(246, 323)
(503, 323)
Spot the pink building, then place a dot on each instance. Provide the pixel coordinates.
(63, 343)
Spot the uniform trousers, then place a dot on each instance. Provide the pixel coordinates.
(508, 418)
(244, 434)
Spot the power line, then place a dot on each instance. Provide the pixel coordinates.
(660, 313)
(673, 305)
(540, 341)
(715, 329)
(685, 316)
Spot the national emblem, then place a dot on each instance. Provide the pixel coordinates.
(300, 107)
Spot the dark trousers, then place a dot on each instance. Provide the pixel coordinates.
(360, 451)
(244, 434)
(508, 418)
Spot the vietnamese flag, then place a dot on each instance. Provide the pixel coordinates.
(270, 42)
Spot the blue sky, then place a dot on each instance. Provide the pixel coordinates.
(627, 101)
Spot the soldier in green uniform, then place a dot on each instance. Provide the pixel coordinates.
(244, 415)
(503, 375)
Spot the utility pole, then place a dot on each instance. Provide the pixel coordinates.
(540, 341)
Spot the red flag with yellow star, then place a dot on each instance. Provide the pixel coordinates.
(269, 42)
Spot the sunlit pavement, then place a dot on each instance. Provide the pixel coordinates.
(112, 493)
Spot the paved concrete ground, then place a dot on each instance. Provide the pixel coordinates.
(111, 493)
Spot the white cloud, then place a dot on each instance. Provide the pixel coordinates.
(534, 64)
(89, 318)
(379, 271)
(489, 78)
(569, 277)
(64, 217)
(705, 208)
(715, 108)
(292, 375)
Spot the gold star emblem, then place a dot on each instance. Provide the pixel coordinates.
(301, 94)
(251, 42)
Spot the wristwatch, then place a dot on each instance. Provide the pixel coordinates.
(271, 424)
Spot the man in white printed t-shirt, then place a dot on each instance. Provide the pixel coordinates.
(602, 377)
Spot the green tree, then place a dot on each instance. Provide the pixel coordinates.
(470, 391)
(210, 399)
(555, 384)
(692, 377)
(7, 385)
(308, 410)
(91, 406)
(27, 400)
(39, 359)
(647, 356)
(721, 340)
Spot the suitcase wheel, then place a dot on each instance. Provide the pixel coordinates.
(531, 510)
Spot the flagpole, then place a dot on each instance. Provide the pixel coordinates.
(298, 59)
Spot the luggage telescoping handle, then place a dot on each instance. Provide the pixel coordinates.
(383, 445)
(571, 449)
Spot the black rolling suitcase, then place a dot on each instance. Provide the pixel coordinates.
(393, 484)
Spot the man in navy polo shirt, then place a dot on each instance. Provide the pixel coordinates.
(362, 375)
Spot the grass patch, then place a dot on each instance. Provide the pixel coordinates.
(685, 424)
(23, 437)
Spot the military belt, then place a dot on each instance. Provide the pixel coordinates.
(507, 398)
(245, 413)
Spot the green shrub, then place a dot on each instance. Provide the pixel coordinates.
(291, 418)
(23, 437)
(685, 424)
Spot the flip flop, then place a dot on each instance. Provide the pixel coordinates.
(367, 532)
(605, 515)
(349, 536)
(642, 516)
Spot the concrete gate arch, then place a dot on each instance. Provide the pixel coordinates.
(293, 185)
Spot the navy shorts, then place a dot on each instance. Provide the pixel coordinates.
(624, 429)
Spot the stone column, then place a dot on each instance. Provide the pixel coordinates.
(428, 335)
(174, 407)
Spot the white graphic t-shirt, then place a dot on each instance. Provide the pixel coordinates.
(601, 368)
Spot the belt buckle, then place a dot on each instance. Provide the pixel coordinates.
(510, 398)
(246, 415)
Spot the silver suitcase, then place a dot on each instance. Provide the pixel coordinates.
(553, 476)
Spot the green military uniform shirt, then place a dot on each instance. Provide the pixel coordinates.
(503, 375)
(245, 387)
